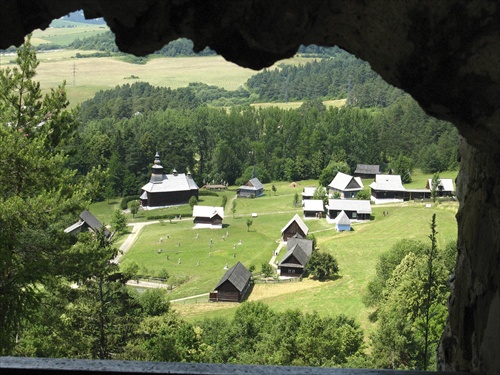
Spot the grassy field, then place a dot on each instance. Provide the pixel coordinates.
(66, 33)
(91, 75)
(295, 105)
(357, 251)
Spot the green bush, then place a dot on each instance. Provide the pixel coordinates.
(125, 200)
(207, 193)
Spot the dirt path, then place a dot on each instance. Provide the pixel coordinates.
(132, 237)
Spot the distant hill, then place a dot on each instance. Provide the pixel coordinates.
(79, 17)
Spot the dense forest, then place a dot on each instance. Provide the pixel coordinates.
(50, 280)
(125, 126)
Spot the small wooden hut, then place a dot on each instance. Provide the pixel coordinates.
(233, 286)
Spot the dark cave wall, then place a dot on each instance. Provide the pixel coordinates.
(444, 53)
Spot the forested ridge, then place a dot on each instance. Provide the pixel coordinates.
(50, 280)
(128, 124)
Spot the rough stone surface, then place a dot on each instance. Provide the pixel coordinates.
(444, 53)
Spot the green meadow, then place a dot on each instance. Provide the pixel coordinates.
(202, 265)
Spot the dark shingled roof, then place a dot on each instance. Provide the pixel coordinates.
(91, 220)
(305, 244)
(238, 275)
(298, 253)
(367, 169)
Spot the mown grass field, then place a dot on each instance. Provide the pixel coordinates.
(357, 252)
(91, 75)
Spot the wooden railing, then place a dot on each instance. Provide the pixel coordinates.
(53, 366)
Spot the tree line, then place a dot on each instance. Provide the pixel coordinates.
(121, 129)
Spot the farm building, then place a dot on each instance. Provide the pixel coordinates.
(342, 222)
(233, 286)
(308, 192)
(295, 226)
(345, 185)
(86, 223)
(208, 217)
(253, 188)
(165, 190)
(354, 209)
(387, 189)
(366, 171)
(298, 252)
(314, 208)
(412, 194)
(445, 187)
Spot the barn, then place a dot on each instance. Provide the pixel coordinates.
(233, 286)
(252, 189)
(313, 208)
(345, 185)
(342, 222)
(165, 190)
(295, 226)
(387, 189)
(298, 253)
(208, 217)
(355, 209)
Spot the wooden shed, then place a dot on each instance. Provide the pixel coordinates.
(295, 226)
(233, 286)
(253, 188)
(208, 217)
(314, 208)
(366, 171)
(86, 223)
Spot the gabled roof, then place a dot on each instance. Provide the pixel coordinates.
(86, 218)
(345, 182)
(305, 244)
(256, 183)
(299, 222)
(171, 183)
(387, 182)
(253, 184)
(297, 252)
(238, 275)
(342, 219)
(445, 183)
(313, 205)
(361, 206)
(208, 211)
(367, 169)
(309, 191)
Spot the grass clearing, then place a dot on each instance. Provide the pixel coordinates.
(357, 252)
(294, 105)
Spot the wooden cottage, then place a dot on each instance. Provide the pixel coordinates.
(308, 192)
(86, 223)
(412, 194)
(342, 222)
(252, 189)
(298, 253)
(233, 286)
(387, 189)
(295, 226)
(355, 209)
(445, 187)
(314, 208)
(165, 190)
(208, 217)
(345, 185)
(366, 171)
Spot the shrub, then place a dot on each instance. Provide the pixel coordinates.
(125, 200)
(207, 193)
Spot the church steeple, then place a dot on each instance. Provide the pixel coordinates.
(157, 170)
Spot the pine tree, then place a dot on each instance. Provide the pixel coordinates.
(39, 196)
